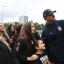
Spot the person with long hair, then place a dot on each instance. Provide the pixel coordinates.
(34, 33)
(11, 32)
(6, 56)
(23, 46)
(18, 28)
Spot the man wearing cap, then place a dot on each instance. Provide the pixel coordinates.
(53, 36)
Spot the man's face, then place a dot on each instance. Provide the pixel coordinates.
(49, 18)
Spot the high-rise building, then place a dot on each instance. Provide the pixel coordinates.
(23, 19)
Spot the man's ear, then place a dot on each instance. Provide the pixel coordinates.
(45, 18)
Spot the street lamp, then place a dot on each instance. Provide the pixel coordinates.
(2, 11)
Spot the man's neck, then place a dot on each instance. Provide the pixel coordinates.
(50, 22)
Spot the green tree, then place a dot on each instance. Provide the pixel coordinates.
(42, 26)
(39, 26)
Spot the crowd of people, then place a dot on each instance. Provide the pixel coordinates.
(23, 45)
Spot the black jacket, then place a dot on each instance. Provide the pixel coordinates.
(5, 55)
(53, 35)
(23, 49)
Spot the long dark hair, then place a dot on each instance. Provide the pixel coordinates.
(18, 28)
(10, 33)
(26, 31)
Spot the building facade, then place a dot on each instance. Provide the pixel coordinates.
(23, 19)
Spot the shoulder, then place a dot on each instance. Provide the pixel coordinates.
(21, 39)
(20, 42)
(60, 21)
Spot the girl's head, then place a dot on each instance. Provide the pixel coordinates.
(39, 45)
(26, 30)
(11, 28)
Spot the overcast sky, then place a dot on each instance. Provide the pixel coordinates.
(32, 8)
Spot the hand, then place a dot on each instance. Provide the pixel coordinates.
(11, 41)
(46, 62)
(34, 57)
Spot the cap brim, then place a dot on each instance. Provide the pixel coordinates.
(54, 11)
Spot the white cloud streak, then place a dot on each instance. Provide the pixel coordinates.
(32, 8)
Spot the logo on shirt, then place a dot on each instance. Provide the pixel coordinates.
(59, 28)
(44, 58)
(18, 45)
(50, 33)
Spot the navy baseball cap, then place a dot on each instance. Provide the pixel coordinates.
(48, 12)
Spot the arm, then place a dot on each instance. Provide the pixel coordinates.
(7, 36)
(33, 57)
(46, 62)
(21, 52)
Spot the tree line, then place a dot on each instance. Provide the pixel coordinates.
(36, 24)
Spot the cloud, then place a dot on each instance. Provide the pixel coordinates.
(32, 8)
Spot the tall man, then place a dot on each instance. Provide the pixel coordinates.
(53, 35)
